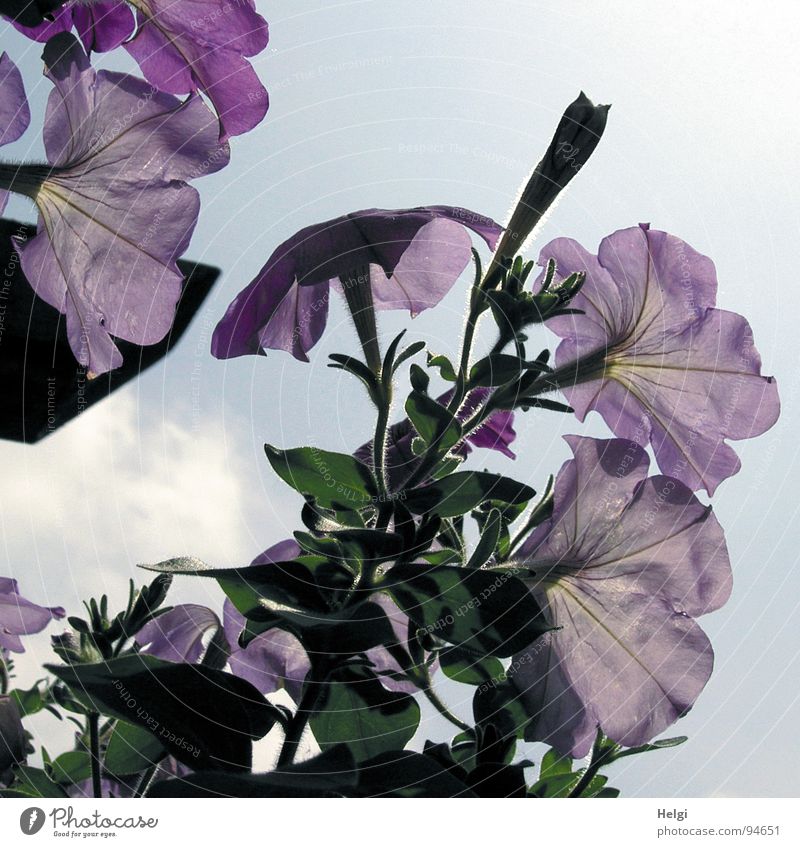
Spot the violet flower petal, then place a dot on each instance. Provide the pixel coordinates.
(15, 114)
(383, 662)
(622, 566)
(434, 259)
(275, 658)
(283, 551)
(186, 45)
(160, 62)
(115, 208)
(19, 616)
(62, 22)
(102, 26)
(274, 312)
(177, 635)
(634, 666)
(654, 357)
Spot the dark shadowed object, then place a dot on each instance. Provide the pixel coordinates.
(41, 384)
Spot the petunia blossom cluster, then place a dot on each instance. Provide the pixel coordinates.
(625, 562)
(116, 210)
(574, 613)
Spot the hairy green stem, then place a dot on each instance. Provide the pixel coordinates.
(379, 442)
(466, 352)
(357, 288)
(313, 690)
(5, 677)
(148, 777)
(23, 179)
(599, 758)
(441, 708)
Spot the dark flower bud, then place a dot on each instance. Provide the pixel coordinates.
(578, 133)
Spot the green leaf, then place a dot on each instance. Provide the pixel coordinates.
(557, 785)
(495, 779)
(432, 421)
(72, 767)
(486, 613)
(499, 704)
(402, 773)
(206, 718)
(410, 351)
(334, 480)
(501, 368)
(469, 669)
(526, 403)
(34, 782)
(331, 774)
(554, 764)
(277, 589)
(562, 785)
(358, 711)
(132, 749)
(446, 369)
(462, 492)
(29, 702)
(663, 744)
(490, 536)
(358, 369)
(448, 465)
(373, 545)
(442, 557)
(419, 379)
(368, 626)
(318, 519)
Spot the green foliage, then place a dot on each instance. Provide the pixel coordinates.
(131, 749)
(482, 612)
(226, 714)
(460, 493)
(470, 669)
(356, 710)
(434, 423)
(334, 480)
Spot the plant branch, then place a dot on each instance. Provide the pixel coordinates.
(441, 708)
(94, 752)
(312, 694)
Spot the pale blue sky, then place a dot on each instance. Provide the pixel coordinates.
(377, 103)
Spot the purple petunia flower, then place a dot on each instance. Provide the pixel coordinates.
(102, 26)
(15, 115)
(412, 258)
(115, 210)
(182, 46)
(19, 616)
(655, 359)
(496, 433)
(189, 45)
(178, 635)
(275, 659)
(622, 567)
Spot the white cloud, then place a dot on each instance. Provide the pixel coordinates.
(117, 487)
